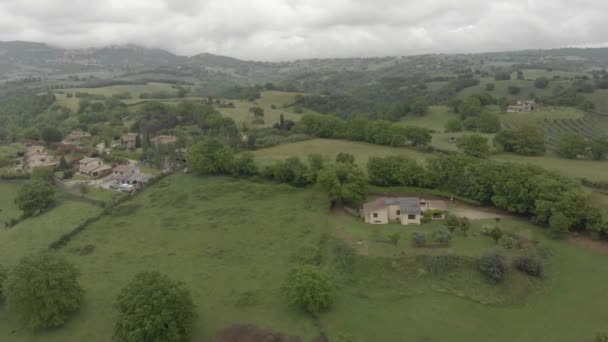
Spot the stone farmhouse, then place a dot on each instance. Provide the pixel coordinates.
(93, 167)
(403, 210)
(130, 175)
(129, 140)
(525, 106)
(164, 139)
(37, 156)
(75, 137)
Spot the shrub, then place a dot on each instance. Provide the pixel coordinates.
(439, 264)
(344, 257)
(465, 225)
(42, 290)
(309, 288)
(418, 239)
(496, 233)
(493, 265)
(507, 242)
(152, 307)
(443, 237)
(529, 265)
(394, 238)
(452, 222)
(3, 274)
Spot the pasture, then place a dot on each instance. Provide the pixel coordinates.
(330, 148)
(274, 104)
(232, 241)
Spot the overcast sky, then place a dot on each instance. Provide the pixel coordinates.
(289, 29)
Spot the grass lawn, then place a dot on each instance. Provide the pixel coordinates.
(232, 241)
(594, 170)
(229, 241)
(36, 233)
(329, 148)
(241, 113)
(135, 91)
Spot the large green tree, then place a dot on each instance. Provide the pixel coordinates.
(153, 307)
(570, 146)
(345, 182)
(474, 145)
(35, 197)
(210, 157)
(42, 290)
(310, 288)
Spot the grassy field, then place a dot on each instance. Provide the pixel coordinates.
(329, 148)
(594, 170)
(135, 91)
(232, 241)
(280, 100)
(227, 240)
(36, 233)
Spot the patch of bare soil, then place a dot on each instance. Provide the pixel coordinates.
(588, 242)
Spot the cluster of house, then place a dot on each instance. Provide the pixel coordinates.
(522, 106)
(403, 210)
(37, 156)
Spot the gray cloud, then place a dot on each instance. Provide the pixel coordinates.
(289, 29)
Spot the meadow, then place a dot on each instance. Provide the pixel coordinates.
(594, 170)
(232, 241)
(274, 104)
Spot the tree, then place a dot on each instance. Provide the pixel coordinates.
(465, 225)
(35, 196)
(529, 265)
(343, 157)
(50, 134)
(244, 165)
(258, 112)
(488, 123)
(559, 225)
(474, 145)
(345, 182)
(453, 125)
(493, 265)
(419, 105)
(570, 146)
(394, 238)
(599, 148)
(470, 107)
(42, 290)
(153, 307)
(496, 233)
(443, 237)
(63, 164)
(210, 157)
(526, 140)
(418, 239)
(514, 90)
(541, 83)
(309, 288)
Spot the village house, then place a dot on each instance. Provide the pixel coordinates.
(164, 140)
(93, 167)
(125, 171)
(129, 140)
(404, 210)
(138, 181)
(75, 137)
(37, 156)
(525, 106)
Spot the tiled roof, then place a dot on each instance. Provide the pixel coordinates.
(407, 205)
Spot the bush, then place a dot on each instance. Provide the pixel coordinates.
(309, 288)
(394, 238)
(42, 290)
(443, 237)
(152, 307)
(507, 242)
(496, 233)
(493, 265)
(3, 275)
(418, 239)
(529, 265)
